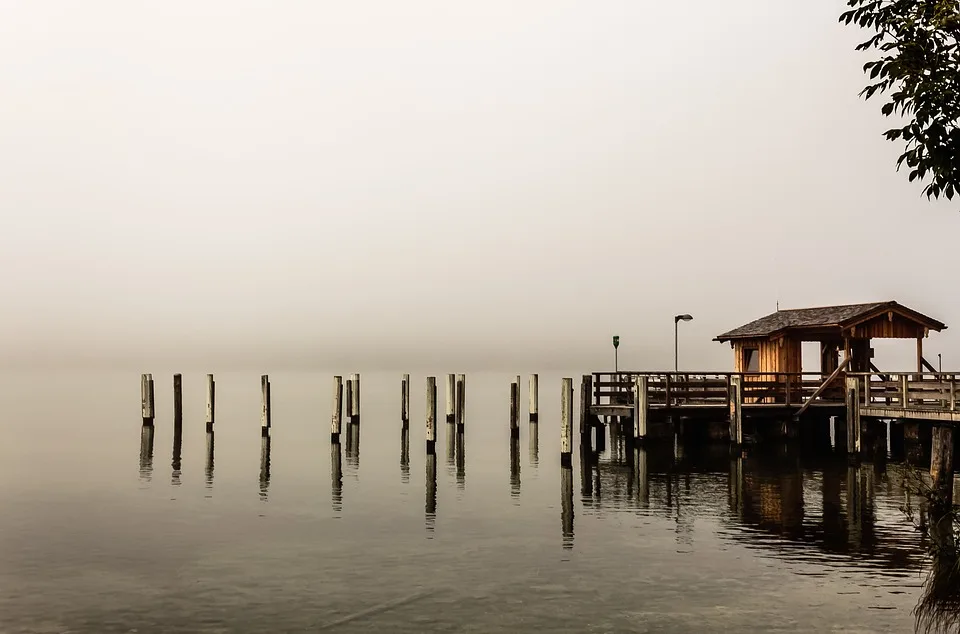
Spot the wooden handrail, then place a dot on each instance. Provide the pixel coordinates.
(823, 387)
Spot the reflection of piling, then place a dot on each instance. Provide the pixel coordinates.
(451, 398)
(430, 508)
(586, 472)
(208, 468)
(514, 410)
(211, 402)
(405, 401)
(461, 401)
(451, 440)
(265, 415)
(566, 422)
(641, 470)
(534, 398)
(264, 466)
(431, 419)
(146, 452)
(566, 506)
(534, 442)
(336, 476)
(515, 467)
(175, 463)
(336, 419)
(461, 462)
(353, 452)
(177, 399)
(405, 455)
(146, 399)
(735, 486)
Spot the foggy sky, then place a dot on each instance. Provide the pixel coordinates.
(487, 184)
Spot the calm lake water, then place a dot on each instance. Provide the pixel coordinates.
(95, 537)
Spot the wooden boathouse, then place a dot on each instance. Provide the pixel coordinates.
(768, 382)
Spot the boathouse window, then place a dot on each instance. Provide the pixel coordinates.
(751, 360)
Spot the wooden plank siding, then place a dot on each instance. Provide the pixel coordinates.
(889, 326)
(780, 355)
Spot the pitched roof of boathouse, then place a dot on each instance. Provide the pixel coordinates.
(839, 317)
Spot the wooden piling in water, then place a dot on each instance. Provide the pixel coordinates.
(534, 398)
(641, 408)
(516, 402)
(146, 399)
(265, 422)
(336, 420)
(355, 407)
(461, 401)
(586, 421)
(854, 434)
(566, 423)
(177, 399)
(941, 464)
(211, 402)
(736, 410)
(405, 401)
(451, 398)
(514, 410)
(431, 414)
(349, 399)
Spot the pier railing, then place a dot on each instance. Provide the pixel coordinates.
(681, 389)
(928, 391)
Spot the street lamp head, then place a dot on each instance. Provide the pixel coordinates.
(679, 318)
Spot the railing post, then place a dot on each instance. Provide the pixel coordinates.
(953, 393)
(666, 390)
(786, 385)
(866, 390)
(904, 385)
(853, 414)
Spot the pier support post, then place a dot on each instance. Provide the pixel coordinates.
(431, 415)
(177, 399)
(736, 410)
(335, 419)
(641, 408)
(566, 423)
(451, 403)
(941, 464)
(461, 401)
(405, 401)
(854, 433)
(349, 399)
(586, 424)
(514, 410)
(355, 406)
(146, 399)
(534, 398)
(265, 422)
(211, 402)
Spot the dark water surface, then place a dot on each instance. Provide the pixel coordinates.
(97, 537)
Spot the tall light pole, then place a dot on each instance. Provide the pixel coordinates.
(616, 344)
(676, 346)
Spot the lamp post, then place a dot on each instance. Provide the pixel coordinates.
(616, 344)
(676, 346)
(940, 362)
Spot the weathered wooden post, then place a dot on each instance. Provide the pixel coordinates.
(211, 402)
(586, 424)
(405, 401)
(941, 464)
(736, 410)
(451, 393)
(514, 410)
(641, 407)
(461, 401)
(349, 399)
(177, 399)
(516, 402)
(146, 399)
(431, 414)
(336, 420)
(265, 406)
(534, 398)
(853, 415)
(355, 408)
(566, 423)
